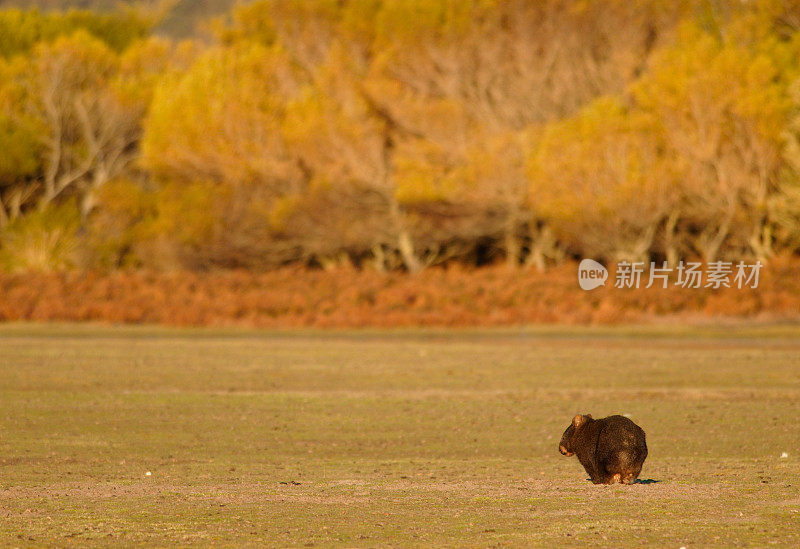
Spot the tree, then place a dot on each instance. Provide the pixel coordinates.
(721, 105)
(343, 134)
(599, 183)
(67, 95)
(22, 30)
(507, 66)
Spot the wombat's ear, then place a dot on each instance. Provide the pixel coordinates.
(578, 420)
(589, 416)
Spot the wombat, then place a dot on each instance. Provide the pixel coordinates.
(611, 449)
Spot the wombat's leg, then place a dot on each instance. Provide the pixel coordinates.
(590, 470)
(628, 478)
(606, 478)
(608, 469)
(616, 478)
(631, 476)
(596, 476)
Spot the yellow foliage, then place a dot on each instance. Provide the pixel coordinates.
(222, 120)
(598, 177)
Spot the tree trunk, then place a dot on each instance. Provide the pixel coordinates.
(405, 244)
(542, 246)
(512, 244)
(761, 241)
(710, 242)
(3, 217)
(406, 247)
(670, 241)
(379, 258)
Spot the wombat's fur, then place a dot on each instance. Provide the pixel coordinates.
(611, 449)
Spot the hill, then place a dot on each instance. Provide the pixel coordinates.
(181, 21)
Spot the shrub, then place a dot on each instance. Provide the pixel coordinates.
(44, 240)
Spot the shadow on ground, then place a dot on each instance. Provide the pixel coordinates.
(639, 481)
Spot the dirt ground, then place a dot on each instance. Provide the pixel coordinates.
(152, 436)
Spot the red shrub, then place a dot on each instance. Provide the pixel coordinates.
(450, 296)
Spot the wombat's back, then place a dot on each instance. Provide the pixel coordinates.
(623, 430)
(621, 449)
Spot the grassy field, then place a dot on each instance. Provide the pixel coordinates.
(155, 436)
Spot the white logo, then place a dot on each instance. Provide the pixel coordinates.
(717, 275)
(591, 274)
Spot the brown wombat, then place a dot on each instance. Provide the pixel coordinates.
(611, 449)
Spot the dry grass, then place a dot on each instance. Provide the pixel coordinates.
(412, 438)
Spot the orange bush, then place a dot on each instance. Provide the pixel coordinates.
(346, 297)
